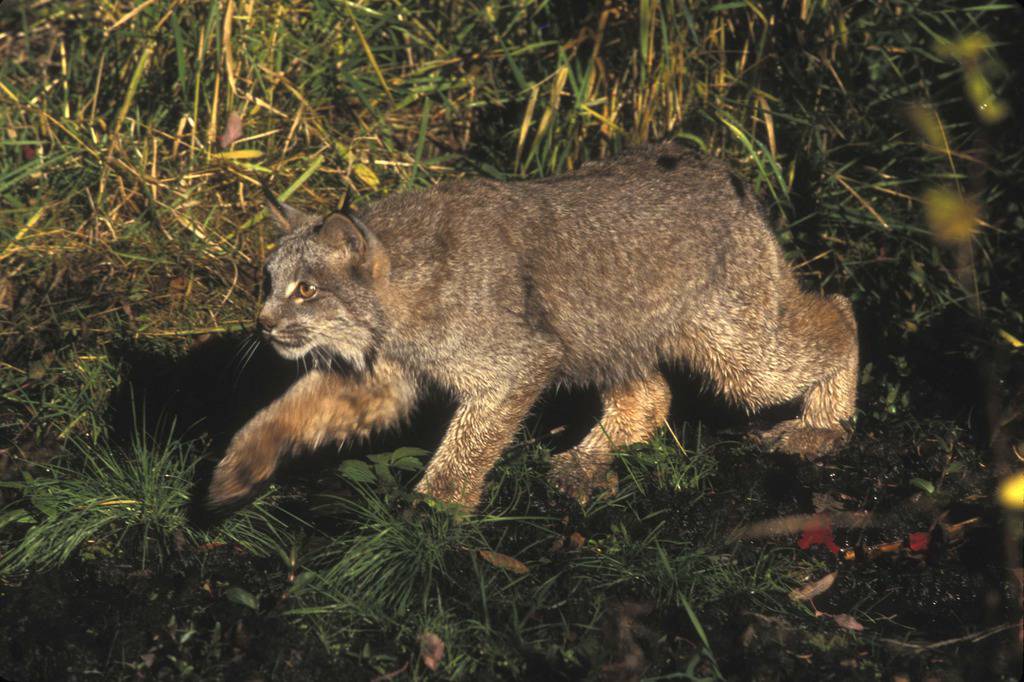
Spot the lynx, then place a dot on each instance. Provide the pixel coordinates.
(603, 276)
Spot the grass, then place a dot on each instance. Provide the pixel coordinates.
(885, 140)
(501, 582)
(103, 496)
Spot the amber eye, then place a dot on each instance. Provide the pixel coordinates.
(305, 290)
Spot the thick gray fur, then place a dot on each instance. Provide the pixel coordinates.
(497, 290)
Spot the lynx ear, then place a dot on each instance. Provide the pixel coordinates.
(349, 232)
(287, 218)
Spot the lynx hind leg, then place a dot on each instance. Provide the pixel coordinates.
(826, 331)
(320, 407)
(632, 412)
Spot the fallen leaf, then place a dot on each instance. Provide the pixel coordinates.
(813, 589)
(232, 131)
(431, 650)
(576, 540)
(919, 541)
(238, 154)
(366, 175)
(845, 620)
(818, 531)
(504, 561)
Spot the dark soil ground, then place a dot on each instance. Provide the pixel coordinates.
(926, 574)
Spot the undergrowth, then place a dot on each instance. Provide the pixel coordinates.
(884, 137)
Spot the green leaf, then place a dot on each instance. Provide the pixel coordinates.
(357, 471)
(46, 505)
(954, 468)
(408, 464)
(302, 580)
(16, 516)
(407, 459)
(923, 485)
(402, 453)
(384, 474)
(242, 596)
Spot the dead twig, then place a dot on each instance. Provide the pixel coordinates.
(969, 638)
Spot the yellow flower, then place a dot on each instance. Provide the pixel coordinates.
(927, 122)
(1011, 491)
(965, 48)
(952, 218)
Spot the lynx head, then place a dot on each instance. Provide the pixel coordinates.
(321, 298)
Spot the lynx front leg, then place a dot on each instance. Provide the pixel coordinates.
(829, 404)
(483, 426)
(631, 414)
(320, 407)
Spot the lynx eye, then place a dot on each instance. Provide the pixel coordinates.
(305, 290)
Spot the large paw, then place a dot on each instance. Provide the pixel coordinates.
(235, 480)
(577, 475)
(458, 497)
(796, 438)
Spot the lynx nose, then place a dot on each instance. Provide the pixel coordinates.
(265, 323)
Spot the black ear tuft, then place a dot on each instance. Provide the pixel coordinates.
(346, 203)
(286, 218)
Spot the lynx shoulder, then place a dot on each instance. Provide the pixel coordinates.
(497, 290)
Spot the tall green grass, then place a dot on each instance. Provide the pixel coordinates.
(108, 502)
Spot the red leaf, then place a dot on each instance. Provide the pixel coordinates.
(232, 130)
(504, 561)
(818, 531)
(919, 541)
